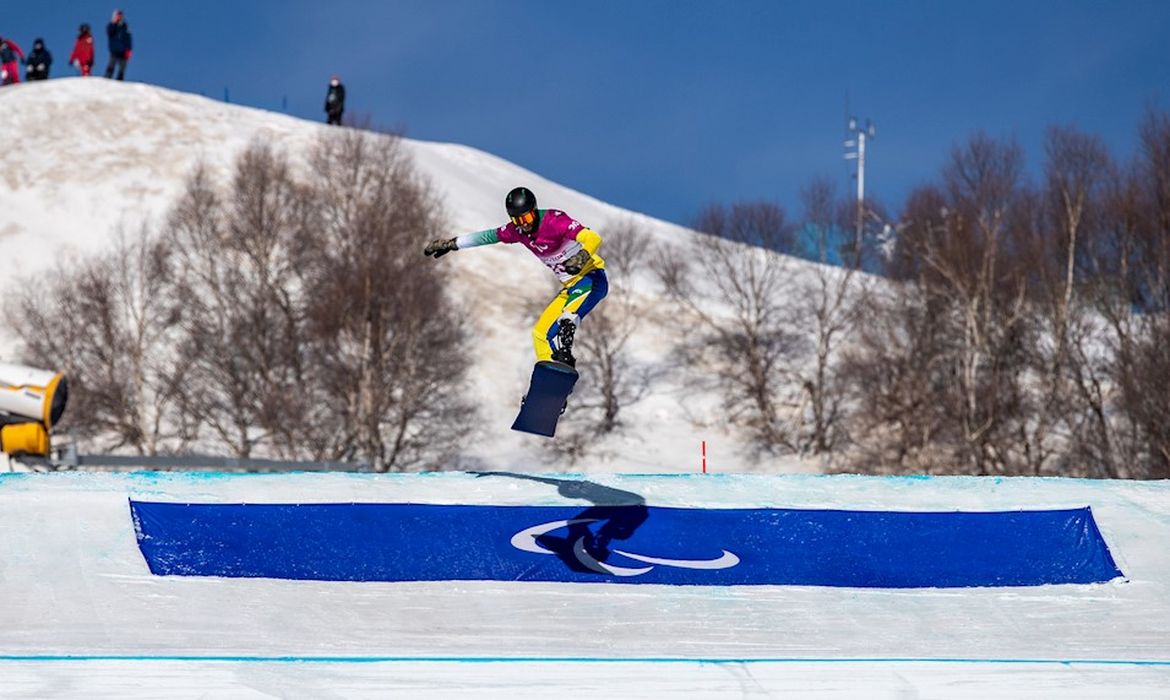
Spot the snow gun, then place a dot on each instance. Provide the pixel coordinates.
(31, 402)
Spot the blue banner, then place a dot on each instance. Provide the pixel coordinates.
(622, 544)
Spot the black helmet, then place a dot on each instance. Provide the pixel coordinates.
(521, 206)
(520, 201)
(85, 29)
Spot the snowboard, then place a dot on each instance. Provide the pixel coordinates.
(548, 393)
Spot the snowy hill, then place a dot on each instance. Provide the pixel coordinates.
(92, 617)
(92, 156)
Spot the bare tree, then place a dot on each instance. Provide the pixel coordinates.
(111, 326)
(828, 301)
(236, 264)
(388, 347)
(1143, 328)
(900, 372)
(278, 316)
(963, 316)
(620, 382)
(1066, 392)
(745, 341)
(1125, 262)
(626, 250)
(972, 260)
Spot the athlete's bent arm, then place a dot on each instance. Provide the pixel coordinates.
(590, 241)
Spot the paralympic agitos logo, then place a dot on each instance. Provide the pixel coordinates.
(530, 540)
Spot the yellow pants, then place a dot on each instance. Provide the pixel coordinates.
(573, 302)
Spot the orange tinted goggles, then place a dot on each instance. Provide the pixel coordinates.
(526, 219)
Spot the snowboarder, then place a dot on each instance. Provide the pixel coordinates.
(334, 101)
(10, 57)
(564, 246)
(36, 66)
(82, 56)
(121, 44)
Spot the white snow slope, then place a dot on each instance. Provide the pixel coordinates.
(85, 158)
(83, 617)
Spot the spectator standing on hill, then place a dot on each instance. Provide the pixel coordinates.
(335, 101)
(121, 44)
(10, 57)
(82, 56)
(36, 66)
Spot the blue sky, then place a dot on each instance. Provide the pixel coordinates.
(665, 106)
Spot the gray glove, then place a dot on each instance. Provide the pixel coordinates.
(440, 247)
(577, 262)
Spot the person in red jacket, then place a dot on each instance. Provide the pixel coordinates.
(82, 56)
(9, 63)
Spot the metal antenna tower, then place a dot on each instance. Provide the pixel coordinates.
(858, 143)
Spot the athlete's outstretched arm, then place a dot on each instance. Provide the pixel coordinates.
(441, 246)
(484, 237)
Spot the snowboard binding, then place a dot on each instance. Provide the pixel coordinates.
(564, 349)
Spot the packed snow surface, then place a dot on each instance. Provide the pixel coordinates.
(86, 618)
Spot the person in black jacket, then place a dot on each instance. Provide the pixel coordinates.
(335, 101)
(121, 44)
(36, 66)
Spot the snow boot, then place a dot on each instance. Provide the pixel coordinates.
(564, 350)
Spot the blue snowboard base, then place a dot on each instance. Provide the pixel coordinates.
(551, 384)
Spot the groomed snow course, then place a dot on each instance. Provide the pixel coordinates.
(87, 618)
